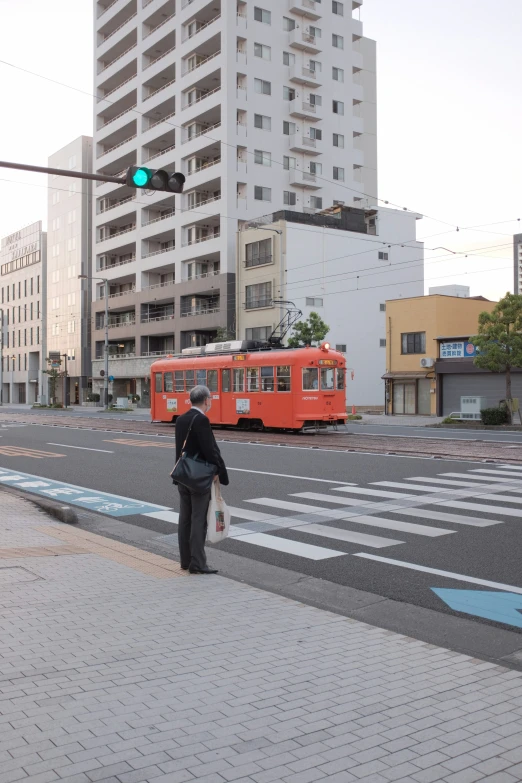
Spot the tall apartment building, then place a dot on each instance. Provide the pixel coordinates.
(23, 301)
(69, 221)
(261, 105)
(517, 263)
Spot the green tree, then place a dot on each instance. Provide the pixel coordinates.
(54, 376)
(499, 339)
(223, 334)
(309, 332)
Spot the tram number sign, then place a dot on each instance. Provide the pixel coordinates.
(328, 362)
(239, 358)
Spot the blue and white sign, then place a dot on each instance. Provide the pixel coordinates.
(500, 607)
(101, 502)
(462, 350)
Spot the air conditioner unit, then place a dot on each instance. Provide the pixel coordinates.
(427, 362)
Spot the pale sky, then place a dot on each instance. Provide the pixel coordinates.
(449, 119)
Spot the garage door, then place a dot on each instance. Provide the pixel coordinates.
(492, 387)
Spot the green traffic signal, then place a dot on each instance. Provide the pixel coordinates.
(158, 179)
(141, 177)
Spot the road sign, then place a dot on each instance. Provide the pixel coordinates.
(55, 358)
(111, 378)
(500, 607)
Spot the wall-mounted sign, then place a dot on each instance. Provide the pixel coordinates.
(242, 406)
(460, 350)
(172, 405)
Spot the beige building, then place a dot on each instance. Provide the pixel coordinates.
(68, 298)
(23, 301)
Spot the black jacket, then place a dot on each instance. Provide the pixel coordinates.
(201, 441)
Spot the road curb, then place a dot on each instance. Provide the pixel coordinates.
(53, 508)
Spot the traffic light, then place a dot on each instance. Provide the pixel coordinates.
(142, 177)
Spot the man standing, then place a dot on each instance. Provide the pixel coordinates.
(192, 523)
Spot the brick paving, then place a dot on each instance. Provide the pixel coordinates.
(338, 441)
(110, 673)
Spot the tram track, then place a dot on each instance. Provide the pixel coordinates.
(331, 441)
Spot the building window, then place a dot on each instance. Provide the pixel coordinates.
(341, 347)
(288, 58)
(71, 216)
(314, 31)
(72, 189)
(70, 327)
(263, 122)
(262, 194)
(72, 162)
(338, 74)
(260, 333)
(55, 197)
(38, 284)
(338, 140)
(316, 202)
(288, 128)
(263, 158)
(71, 244)
(382, 307)
(288, 24)
(37, 335)
(288, 93)
(314, 301)
(258, 295)
(413, 342)
(315, 66)
(337, 8)
(258, 253)
(289, 198)
(288, 162)
(315, 100)
(338, 173)
(338, 107)
(316, 168)
(260, 15)
(337, 41)
(382, 342)
(382, 255)
(262, 87)
(260, 50)
(316, 133)
(71, 299)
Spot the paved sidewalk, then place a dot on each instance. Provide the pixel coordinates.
(403, 421)
(115, 666)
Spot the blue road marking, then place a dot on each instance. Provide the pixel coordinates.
(102, 502)
(500, 607)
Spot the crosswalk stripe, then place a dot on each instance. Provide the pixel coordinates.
(347, 536)
(164, 516)
(501, 498)
(442, 516)
(511, 467)
(484, 479)
(443, 481)
(252, 516)
(301, 508)
(402, 485)
(402, 527)
(509, 512)
(290, 547)
(377, 492)
(498, 473)
(328, 498)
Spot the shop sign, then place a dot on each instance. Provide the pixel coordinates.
(460, 350)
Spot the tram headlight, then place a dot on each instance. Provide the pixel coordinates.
(325, 347)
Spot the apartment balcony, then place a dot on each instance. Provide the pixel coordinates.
(119, 293)
(299, 38)
(357, 28)
(123, 205)
(357, 92)
(305, 110)
(357, 59)
(357, 125)
(199, 63)
(304, 179)
(156, 122)
(120, 25)
(308, 8)
(298, 142)
(158, 53)
(196, 134)
(205, 25)
(199, 306)
(118, 57)
(119, 145)
(164, 222)
(155, 25)
(158, 345)
(207, 200)
(300, 74)
(202, 171)
(357, 157)
(159, 284)
(109, 261)
(116, 116)
(119, 85)
(156, 84)
(158, 318)
(159, 253)
(208, 101)
(118, 349)
(108, 9)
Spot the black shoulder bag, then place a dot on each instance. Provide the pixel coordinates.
(191, 472)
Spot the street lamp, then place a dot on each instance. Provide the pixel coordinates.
(106, 376)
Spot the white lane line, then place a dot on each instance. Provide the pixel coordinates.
(164, 516)
(290, 547)
(402, 485)
(438, 572)
(83, 448)
(494, 479)
(289, 475)
(513, 476)
(445, 481)
(302, 508)
(347, 536)
(252, 516)
(376, 492)
(442, 516)
(508, 512)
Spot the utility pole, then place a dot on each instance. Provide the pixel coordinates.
(65, 380)
(1, 355)
(106, 375)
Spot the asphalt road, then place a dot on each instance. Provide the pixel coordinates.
(321, 536)
(452, 433)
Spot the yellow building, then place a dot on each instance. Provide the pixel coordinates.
(420, 335)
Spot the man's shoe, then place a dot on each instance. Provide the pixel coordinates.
(184, 568)
(202, 571)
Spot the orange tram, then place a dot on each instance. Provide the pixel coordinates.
(254, 388)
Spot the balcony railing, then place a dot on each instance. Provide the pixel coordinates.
(158, 353)
(117, 234)
(159, 252)
(106, 152)
(118, 174)
(114, 89)
(159, 57)
(106, 37)
(116, 324)
(113, 119)
(152, 319)
(203, 26)
(201, 98)
(162, 119)
(108, 65)
(204, 166)
(202, 132)
(158, 285)
(202, 275)
(255, 303)
(157, 219)
(118, 293)
(200, 311)
(103, 268)
(200, 239)
(202, 62)
(202, 203)
(107, 7)
(163, 21)
(159, 89)
(160, 152)
(117, 204)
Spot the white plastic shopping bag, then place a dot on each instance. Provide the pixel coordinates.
(218, 516)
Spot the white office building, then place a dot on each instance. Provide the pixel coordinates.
(262, 106)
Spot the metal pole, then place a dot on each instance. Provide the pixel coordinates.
(1, 355)
(62, 172)
(106, 377)
(65, 394)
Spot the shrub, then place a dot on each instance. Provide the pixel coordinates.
(57, 405)
(135, 398)
(494, 416)
(92, 397)
(354, 417)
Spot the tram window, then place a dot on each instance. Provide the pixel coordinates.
(225, 380)
(179, 381)
(168, 385)
(189, 380)
(283, 378)
(327, 379)
(212, 380)
(267, 379)
(340, 379)
(238, 380)
(310, 378)
(159, 383)
(252, 379)
(201, 377)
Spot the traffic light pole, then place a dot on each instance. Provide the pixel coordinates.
(62, 172)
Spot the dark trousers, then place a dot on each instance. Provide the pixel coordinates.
(192, 527)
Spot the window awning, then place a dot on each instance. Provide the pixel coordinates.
(405, 375)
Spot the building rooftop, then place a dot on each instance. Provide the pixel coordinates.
(340, 217)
